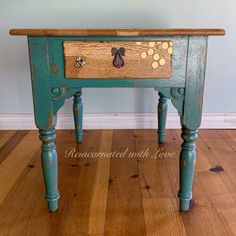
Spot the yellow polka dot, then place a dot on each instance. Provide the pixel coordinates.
(138, 43)
(162, 62)
(165, 45)
(150, 51)
(151, 44)
(155, 65)
(170, 50)
(171, 43)
(156, 57)
(143, 55)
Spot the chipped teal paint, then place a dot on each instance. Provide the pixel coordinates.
(179, 65)
(39, 64)
(51, 88)
(187, 166)
(191, 117)
(162, 113)
(50, 167)
(78, 116)
(176, 95)
(194, 85)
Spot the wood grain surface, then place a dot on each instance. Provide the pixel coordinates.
(117, 32)
(118, 196)
(141, 60)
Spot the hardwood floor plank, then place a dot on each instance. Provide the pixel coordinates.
(76, 179)
(77, 219)
(97, 213)
(17, 207)
(229, 136)
(202, 218)
(124, 204)
(5, 135)
(118, 196)
(162, 217)
(213, 187)
(12, 167)
(219, 180)
(152, 169)
(224, 153)
(11, 143)
(226, 208)
(83, 191)
(41, 220)
(218, 185)
(173, 145)
(224, 160)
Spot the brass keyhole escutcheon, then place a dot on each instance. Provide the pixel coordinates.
(118, 61)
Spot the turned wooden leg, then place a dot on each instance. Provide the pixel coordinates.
(162, 114)
(78, 116)
(187, 166)
(50, 167)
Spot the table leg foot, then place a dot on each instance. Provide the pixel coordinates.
(53, 205)
(79, 138)
(184, 205)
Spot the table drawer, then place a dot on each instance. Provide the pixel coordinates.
(118, 59)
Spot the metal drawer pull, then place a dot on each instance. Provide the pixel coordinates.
(118, 60)
(79, 62)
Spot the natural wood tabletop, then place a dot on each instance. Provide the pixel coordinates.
(118, 32)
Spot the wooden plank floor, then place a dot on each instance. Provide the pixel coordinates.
(133, 194)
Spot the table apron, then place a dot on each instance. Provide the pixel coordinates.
(55, 60)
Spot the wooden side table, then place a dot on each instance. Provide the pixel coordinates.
(63, 61)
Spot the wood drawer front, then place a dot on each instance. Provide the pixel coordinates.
(142, 59)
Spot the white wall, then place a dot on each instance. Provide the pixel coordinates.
(15, 87)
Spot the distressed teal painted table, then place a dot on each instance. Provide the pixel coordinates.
(63, 61)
